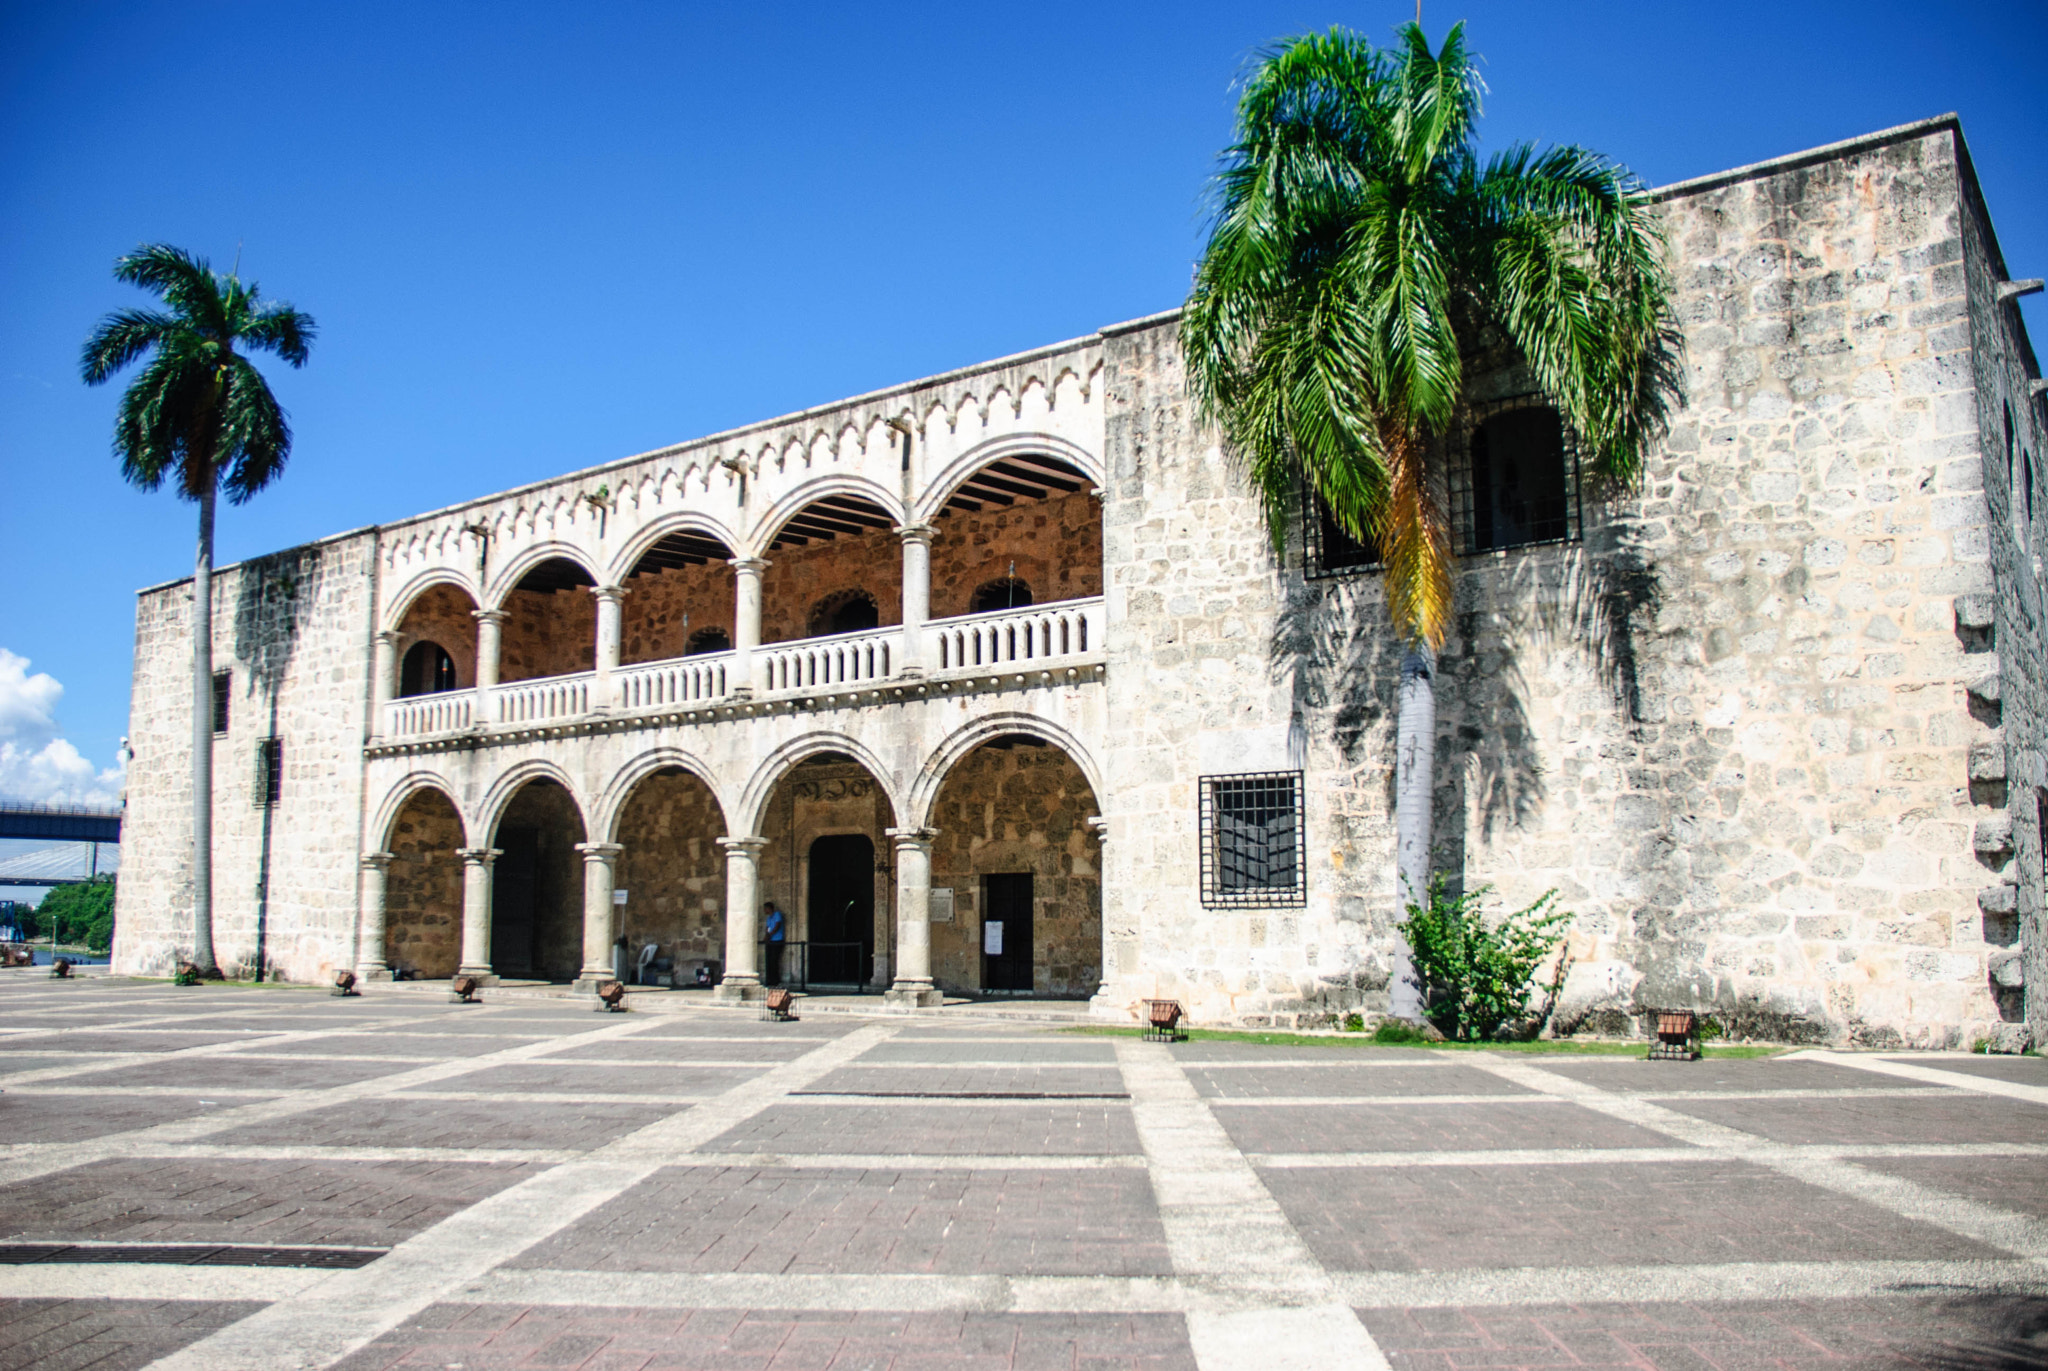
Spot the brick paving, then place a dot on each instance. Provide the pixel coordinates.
(565, 1227)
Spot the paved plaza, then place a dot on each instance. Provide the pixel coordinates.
(219, 1178)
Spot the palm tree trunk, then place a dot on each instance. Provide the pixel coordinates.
(1414, 796)
(202, 741)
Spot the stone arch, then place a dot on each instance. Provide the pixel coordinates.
(677, 521)
(855, 602)
(932, 775)
(507, 577)
(611, 802)
(955, 473)
(510, 783)
(403, 790)
(401, 601)
(537, 823)
(793, 501)
(761, 785)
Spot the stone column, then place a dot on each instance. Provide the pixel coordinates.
(742, 919)
(370, 963)
(746, 623)
(913, 988)
(917, 595)
(383, 678)
(476, 911)
(489, 623)
(609, 612)
(598, 859)
(1106, 1003)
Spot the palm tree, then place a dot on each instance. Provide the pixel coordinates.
(1359, 248)
(201, 414)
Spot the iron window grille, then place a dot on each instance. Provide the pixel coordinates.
(1252, 840)
(269, 771)
(222, 682)
(1327, 550)
(1514, 476)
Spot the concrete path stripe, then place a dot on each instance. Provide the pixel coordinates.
(328, 1320)
(1933, 1075)
(2016, 1233)
(1658, 1156)
(20, 1163)
(150, 1281)
(898, 1161)
(311, 1152)
(1221, 1221)
(1686, 1284)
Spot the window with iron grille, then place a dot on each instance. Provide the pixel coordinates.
(1252, 840)
(1326, 549)
(221, 691)
(1514, 477)
(269, 770)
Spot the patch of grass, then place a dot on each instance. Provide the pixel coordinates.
(1550, 1047)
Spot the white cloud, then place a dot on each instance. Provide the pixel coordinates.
(36, 761)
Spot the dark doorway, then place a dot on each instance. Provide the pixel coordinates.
(515, 901)
(1006, 932)
(426, 670)
(841, 922)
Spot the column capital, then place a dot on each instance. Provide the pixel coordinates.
(609, 594)
(1099, 826)
(749, 566)
(387, 637)
(488, 616)
(479, 856)
(917, 533)
(912, 837)
(599, 852)
(379, 860)
(751, 846)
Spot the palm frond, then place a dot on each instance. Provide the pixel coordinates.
(121, 337)
(280, 329)
(254, 439)
(184, 282)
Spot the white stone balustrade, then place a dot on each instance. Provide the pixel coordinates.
(1034, 634)
(816, 663)
(417, 715)
(551, 697)
(678, 681)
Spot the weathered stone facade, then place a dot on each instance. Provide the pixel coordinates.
(1770, 723)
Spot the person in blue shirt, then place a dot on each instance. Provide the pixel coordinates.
(777, 932)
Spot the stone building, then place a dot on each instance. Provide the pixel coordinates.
(993, 682)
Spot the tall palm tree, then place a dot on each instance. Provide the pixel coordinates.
(200, 414)
(1359, 248)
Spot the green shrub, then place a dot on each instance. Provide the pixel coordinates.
(1394, 1033)
(1477, 975)
(1354, 1023)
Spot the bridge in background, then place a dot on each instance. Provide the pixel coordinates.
(92, 825)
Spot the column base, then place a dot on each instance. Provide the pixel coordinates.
(587, 982)
(1107, 1005)
(373, 971)
(484, 974)
(734, 990)
(914, 995)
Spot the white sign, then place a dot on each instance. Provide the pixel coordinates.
(942, 905)
(618, 897)
(992, 938)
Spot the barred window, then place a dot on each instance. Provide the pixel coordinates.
(269, 771)
(221, 692)
(1252, 840)
(1518, 480)
(1327, 550)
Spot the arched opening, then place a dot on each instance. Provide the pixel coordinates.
(827, 867)
(423, 888)
(1022, 526)
(426, 670)
(843, 611)
(1020, 873)
(679, 599)
(537, 886)
(550, 624)
(441, 618)
(838, 545)
(673, 875)
(1005, 592)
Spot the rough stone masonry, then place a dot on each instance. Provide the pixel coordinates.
(1771, 723)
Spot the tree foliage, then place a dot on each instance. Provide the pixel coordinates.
(1358, 251)
(1478, 975)
(81, 915)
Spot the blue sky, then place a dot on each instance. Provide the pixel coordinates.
(537, 237)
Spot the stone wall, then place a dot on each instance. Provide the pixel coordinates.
(292, 632)
(447, 617)
(672, 869)
(816, 800)
(549, 812)
(663, 609)
(1056, 545)
(1019, 808)
(552, 633)
(423, 888)
(2008, 773)
(799, 578)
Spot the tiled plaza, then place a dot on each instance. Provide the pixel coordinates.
(221, 1178)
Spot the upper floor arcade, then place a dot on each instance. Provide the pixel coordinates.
(934, 531)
